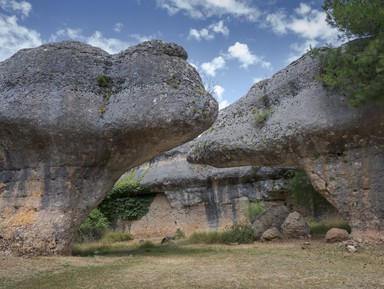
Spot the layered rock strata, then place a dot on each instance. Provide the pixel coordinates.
(73, 119)
(291, 119)
(199, 197)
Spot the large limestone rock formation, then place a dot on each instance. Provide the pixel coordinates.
(291, 119)
(73, 119)
(193, 197)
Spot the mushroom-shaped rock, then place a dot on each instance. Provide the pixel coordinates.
(73, 119)
(292, 119)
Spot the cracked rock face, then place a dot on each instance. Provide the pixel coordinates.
(291, 119)
(73, 119)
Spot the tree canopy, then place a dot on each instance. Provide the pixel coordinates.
(357, 68)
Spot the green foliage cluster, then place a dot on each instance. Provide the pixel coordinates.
(357, 68)
(105, 89)
(254, 209)
(304, 194)
(239, 234)
(93, 228)
(127, 200)
(179, 234)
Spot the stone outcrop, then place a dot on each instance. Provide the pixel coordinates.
(73, 119)
(291, 119)
(200, 197)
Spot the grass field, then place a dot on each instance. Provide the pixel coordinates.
(178, 265)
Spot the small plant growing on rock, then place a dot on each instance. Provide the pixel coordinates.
(261, 115)
(255, 209)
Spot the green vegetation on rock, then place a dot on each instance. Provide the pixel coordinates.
(254, 209)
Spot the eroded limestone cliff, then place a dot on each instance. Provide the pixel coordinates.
(73, 119)
(291, 119)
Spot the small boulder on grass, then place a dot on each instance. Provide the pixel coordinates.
(336, 235)
(295, 227)
(271, 234)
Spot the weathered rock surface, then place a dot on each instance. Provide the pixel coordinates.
(291, 119)
(73, 119)
(199, 197)
(274, 217)
(295, 226)
(336, 235)
(271, 234)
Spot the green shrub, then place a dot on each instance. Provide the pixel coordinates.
(115, 236)
(254, 209)
(127, 200)
(303, 192)
(147, 245)
(93, 228)
(179, 234)
(211, 237)
(240, 234)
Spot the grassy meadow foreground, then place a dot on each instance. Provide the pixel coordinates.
(181, 265)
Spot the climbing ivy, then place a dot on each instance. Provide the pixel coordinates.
(127, 199)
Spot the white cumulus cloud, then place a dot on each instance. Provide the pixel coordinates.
(218, 92)
(209, 32)
(241, 52)
(22, 7)
(13, 35)
(210, 68)
(206, 8)
(118, 27)
(308, 24)
(111, 45)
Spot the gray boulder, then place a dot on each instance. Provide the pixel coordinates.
(295, 226)
(271, 234)
(273, 217)
(73, 119)
(336, 235)
(291, 119)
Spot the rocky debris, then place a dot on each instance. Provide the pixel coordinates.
(73, 119)
(336, 235)
(274, 217)
(291, 119)
(194, 197)
(271, 234)
(167, 239)
(295, 226)
(350, 248)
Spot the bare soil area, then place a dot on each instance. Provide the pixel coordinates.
(178, 265)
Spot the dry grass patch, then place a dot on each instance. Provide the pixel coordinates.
(258, 265)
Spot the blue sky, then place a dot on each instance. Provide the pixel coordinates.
(232, 43)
